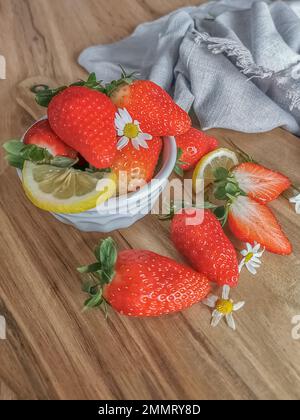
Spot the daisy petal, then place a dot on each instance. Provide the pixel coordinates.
(255, 264)
(249, 248)
(295, 199)
(260, 254)
(146, 136)
(244, 252)
(251, 269)
(238, 306)
(256, 248)
(225, 292)
(126, 117)
(256, 260)
(119, 126)
(119, 121)
(210, 301)
(122, 143)
(135, 143)
(142, 143)
(120, 132)
(241, 264)
(216, 318)
(230, 322)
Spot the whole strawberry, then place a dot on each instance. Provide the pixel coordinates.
(135, 167)
(84, 119)
(141, 283)
(151, 106)
(194, 144)
(43, 136)
(198, 235)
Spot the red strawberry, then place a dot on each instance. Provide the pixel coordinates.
(84, 119)
(143, 284)
(155, 110)
(137, 166)
(194, 145)
(259, 183)
(250, 221)
(205, 245)
(42, 135)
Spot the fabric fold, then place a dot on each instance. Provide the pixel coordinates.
(237, 64)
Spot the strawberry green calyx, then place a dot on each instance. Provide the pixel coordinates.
(44, 97)
(226, 186)
(17, 153)
(100, 273)
(179, 163)
(126, 79)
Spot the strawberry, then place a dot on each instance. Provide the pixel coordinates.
(142, 283)
(137, 165)
(259, 183)
(194, 144)
(205, 245)
(149, 104)
(84, 119)
(43, 136)
(250, 221)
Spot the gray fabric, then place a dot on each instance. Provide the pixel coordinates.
(237, 63)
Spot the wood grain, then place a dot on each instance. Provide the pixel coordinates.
(53, 350)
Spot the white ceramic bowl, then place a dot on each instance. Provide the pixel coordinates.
(122, 212)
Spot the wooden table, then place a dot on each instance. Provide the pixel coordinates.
(53, 350)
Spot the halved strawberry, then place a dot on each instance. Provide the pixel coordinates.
(260, 183)
(42, 135)
(250, 221)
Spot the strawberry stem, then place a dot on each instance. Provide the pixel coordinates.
(174, 208)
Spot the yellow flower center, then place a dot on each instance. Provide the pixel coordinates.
(225, 307)
(249, 257)
(131, 131)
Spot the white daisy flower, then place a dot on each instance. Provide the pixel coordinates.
(223, 307)
(296, 201)
(129, 130)
(251, 258)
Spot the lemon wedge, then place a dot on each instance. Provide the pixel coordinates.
(204, 170)
(66, 190)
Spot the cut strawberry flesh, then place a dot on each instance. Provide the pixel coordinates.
(260, 183)
(42, 135)
(250, 221)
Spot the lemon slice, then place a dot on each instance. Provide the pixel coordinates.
(66, 190)
(204, 170)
